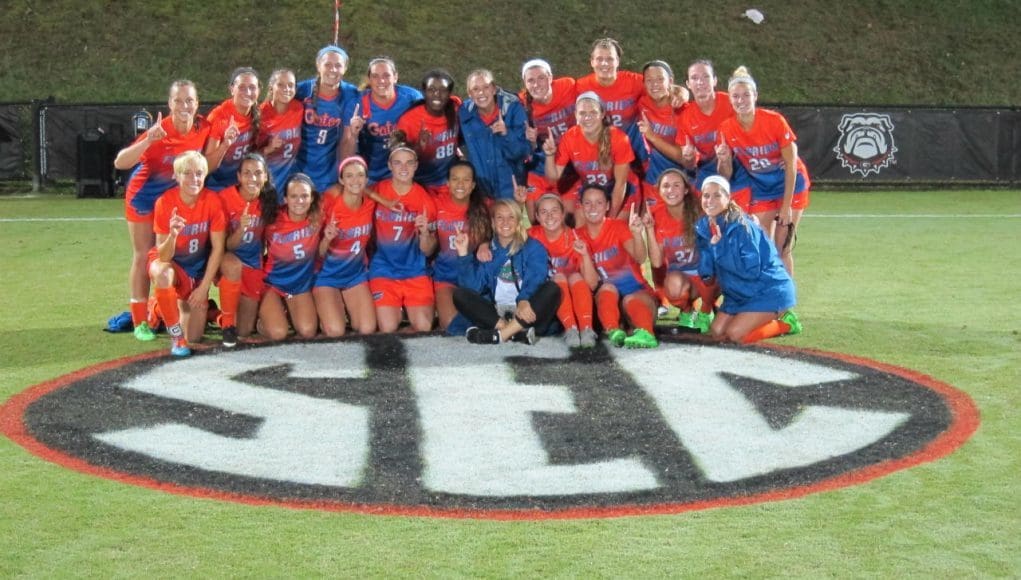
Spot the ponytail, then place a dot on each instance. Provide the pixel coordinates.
(605, 149)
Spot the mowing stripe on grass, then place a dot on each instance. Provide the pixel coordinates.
(915, 215)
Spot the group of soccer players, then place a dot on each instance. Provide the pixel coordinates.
(327, 208)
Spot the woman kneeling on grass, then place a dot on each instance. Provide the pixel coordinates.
(617, 250)
(292, 240)
(190, 232)
(742, 259)
(508, 296)
(570, 268)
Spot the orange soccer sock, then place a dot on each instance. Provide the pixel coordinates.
(581, 297)
(139, 311)
(167, 300)
(683, 302)
(609, 312)
(767, 330)
(706, 292)
(639, 314)
(230, 296)
(566, 311)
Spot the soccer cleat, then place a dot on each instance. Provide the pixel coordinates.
(179, 347)
(526, 336)
(230, 336)
(703, 320)
(476, 335)
(641, 338)
(616, 336)
(572, 338)
(790, 318)
(588, 338)
(686, 320)
(144, 333)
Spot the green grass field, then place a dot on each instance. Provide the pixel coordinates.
(923, 280)
(913, 52)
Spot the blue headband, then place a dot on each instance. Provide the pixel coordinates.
(331, 48)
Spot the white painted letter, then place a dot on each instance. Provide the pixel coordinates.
(301, 440)
(478, 433)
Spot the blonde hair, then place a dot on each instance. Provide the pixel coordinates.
(741, 76)
(485, 74)
(520, 231)
(190, 159)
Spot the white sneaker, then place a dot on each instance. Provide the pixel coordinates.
(588, 338)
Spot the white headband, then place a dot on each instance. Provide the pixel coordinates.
(536, 62)
(746, 80)
(718, 180)
(589, 96)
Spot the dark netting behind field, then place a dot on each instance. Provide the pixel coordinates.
(15, 141)
(841, 146)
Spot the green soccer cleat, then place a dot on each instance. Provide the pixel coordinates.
(703, 320)
(641, 338)
(616, 336)
(144, 333)
(686, 320)
(790, 318)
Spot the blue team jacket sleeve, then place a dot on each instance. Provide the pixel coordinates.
(533, 268)
(742, 249)
(514, 146)
(706, 251)
(469, 274)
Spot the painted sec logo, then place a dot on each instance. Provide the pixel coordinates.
(430, 426)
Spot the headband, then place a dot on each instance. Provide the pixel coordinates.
(536, 62)
(402, 148)
(589, 96)
(718, 180)
(747, 80)
(349, 160)
(334, 49)
(552, 196)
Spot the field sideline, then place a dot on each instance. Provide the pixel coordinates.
(923, 280)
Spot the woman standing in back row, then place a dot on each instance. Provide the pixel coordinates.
(323, 99)
(152, 157)
(757, 149)
(699, 122)
(280, 132)
(493, 128)
(234, 125)
(372, 117)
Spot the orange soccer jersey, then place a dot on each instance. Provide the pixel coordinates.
(220, 119)
(575, 149)
(620, 99)
(286, 127)
(702, 129)
(562, 257)
(556, 116)
(191, 249)
(439, 151)
(154, 173)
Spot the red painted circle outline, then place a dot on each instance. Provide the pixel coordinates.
(964, 422)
